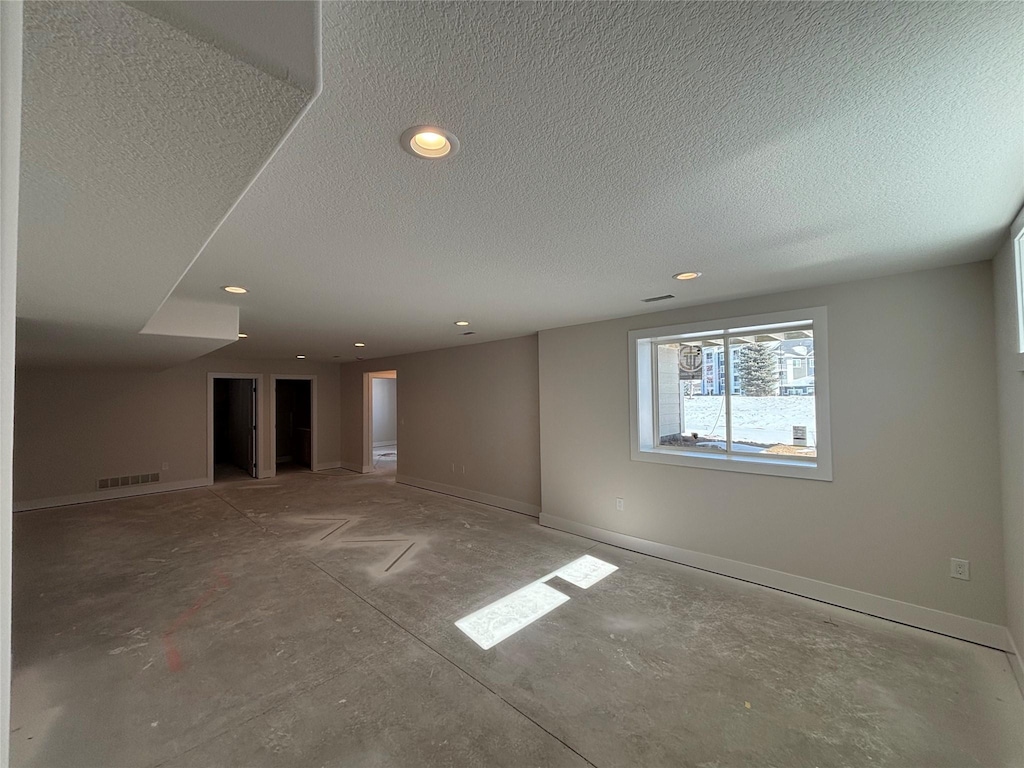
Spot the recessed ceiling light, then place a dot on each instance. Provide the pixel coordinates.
(235, 289)
(462, 322)
(359, 344)
(243, 335)
(300, 357)
(686, 275)
(429, 142)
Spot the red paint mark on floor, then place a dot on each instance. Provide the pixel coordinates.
(173, 655)
(174, 662)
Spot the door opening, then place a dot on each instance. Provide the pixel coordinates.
(293, 424)
(234, 429)
(383, 437)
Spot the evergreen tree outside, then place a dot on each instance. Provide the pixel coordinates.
(757, 368)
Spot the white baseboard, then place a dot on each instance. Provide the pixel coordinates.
(465, 493)
(110, 493)
(961, 627)
(350, 466)
(1016, 662)
(328, 465)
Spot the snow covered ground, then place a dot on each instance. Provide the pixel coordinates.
(755, 419)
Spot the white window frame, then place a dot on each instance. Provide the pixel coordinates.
(643, 399)
(1017, 236)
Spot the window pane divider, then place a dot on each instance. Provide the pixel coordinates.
(728, 395)
(656, 405)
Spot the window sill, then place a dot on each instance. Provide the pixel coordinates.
(805, 470)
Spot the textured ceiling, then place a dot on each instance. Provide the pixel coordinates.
(273, 35)
(136, 140)
(606, 146)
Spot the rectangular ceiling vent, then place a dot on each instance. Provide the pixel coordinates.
(123, 480)
(658, 298)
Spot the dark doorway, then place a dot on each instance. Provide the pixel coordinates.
(234, 428)
(293, 408)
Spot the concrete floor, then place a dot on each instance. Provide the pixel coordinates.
(241, 626)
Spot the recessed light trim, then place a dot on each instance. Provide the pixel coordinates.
(234, 289)
(462, 323)
(359, 344)
(300, 357)
(686, 275)
(243, 335)
(429, 142)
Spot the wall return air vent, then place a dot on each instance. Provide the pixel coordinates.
(125, 480)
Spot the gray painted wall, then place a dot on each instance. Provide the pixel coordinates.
(74, 426)
(1011, 442)
(474, 407)
(914, 434)
(385, 411)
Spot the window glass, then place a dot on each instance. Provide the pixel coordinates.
(691, 406)
(773, 407)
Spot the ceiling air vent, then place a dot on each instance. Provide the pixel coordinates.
(657, 298)
(469, 333)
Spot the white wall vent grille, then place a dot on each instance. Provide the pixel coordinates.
(124, 480)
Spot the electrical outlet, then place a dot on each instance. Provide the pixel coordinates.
(165, 465)
(620, 505)
(959, 569)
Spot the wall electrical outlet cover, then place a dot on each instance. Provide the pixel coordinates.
(619, 505)
(959, 569)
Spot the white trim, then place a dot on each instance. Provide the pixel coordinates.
(1017, 244)
(328, 465)
(961, 627)
(313, 438)
(351, 466)
(10, 156)
(465, 493)
(368, 444)
(1016, 662)
(256, 377)
(111, 493)
(643, 446)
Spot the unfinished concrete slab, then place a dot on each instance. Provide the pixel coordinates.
(309, 619)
